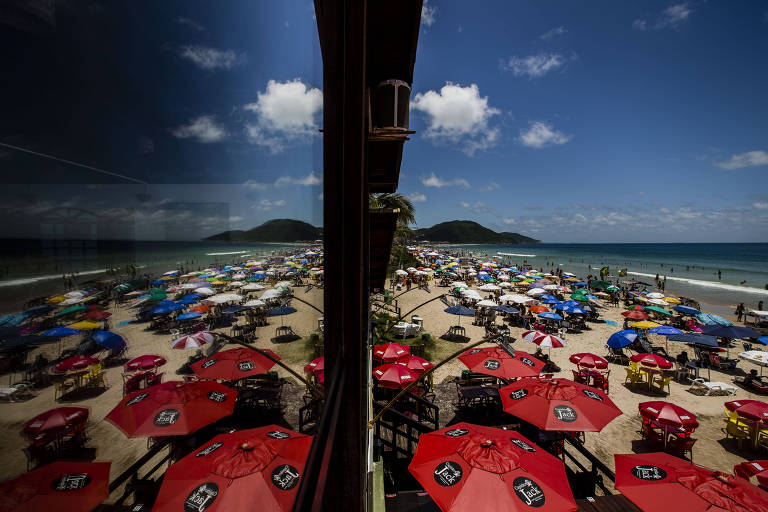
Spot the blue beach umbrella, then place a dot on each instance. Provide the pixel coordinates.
(730, 331)
(164, 309)
(186, 301)
(506, 309)
(58, 332)
(231, 310)
(579, 283)
(102, 336)
(460, 310)
(763, 340)
(189, 316)
(571, 303)
(622, 338)
(280, 311)
(112, 342)
(686, 310)
(712, 319)
(665, 330)
(550, 316)
(575, 310)
(550, 302)
(694, 338)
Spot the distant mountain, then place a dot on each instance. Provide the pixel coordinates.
(275, 230)
(469, 232)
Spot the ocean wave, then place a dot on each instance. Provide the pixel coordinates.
(34, 279)
(708, 284)
(224, 253)
(516, 254)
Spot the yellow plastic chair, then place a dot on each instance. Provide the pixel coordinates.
(737, 431)
(663, 382)
(631, 377)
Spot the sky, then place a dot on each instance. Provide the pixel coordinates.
(566, 121)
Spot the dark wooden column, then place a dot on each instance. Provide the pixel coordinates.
(334, 478)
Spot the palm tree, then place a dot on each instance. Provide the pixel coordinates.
(396, 202)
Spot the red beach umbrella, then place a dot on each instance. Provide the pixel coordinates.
(559, 404)
(468, 467)
(415, 363)
(751, 409)
(255, 469)
(76, 363)
(548, 341)
(532, 335)
(172, 408)
(635, 314)
(394, 375)
(234, 364)
(389, 352)
(69, 486)
(53, 423)
(748, 469)
(656, 481)
(498, 362)
(317, 368)
(145, 362)
(193, 341)
(202, 308)
(589, 360)
(97, 315)
(538, 309)
(652, 361)
(668, 414)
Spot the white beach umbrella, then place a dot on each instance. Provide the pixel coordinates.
(255, 303)
(471, 295)
(224, 297)
(459, 284)
(236, 284)
(550, 287)
(503, 277)
(505, 285)
(283, 284)
(189, 286)
(755, 356)
(271, 294)
(171, 273)
(487, 302)
(239, 276)
(253, 287)
(533, 292)
(490, 287)
(70, 301)
(518, 299)
(401, 272)
(655, 295)
(204, 290)
(658, 302)
(74, 294)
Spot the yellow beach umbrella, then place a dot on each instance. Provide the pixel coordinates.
(671, 300)
(644, 324)
(218, 281)
(85, 325)
(56, 299)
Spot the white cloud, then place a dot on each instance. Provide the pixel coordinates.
(534, 66)
(266, 204)
(417, 197)
(203, 129)
(434, 181)
(458, 115)
(540, 134)
(640, 24)
(748, 159)
(286, 111)
(234, 219)
(477, 207)
(674, 14)
(211, 58)
(255, 185)
(508, 221)
(761, 205)
(490, 187)
(552, 33)
(428, 13)
(309, 180)
(190, 23)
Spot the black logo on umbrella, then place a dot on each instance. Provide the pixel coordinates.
(208, 450)
(285, 477)
(528, 491)
(518, 394)
(448, 473)
(522, 444)
(166, 417)
(492, 364)
(201, 498)
(474, 351)
(565, 413)
(591, 394)
(649, 473)
(71, 482)
(208, 363)
(217, 396)
(245, 366)
(138, 398)
(526, 361)
(457, 432)
(276, 434)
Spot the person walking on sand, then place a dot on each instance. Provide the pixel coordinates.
(760, 306)
(739, 311)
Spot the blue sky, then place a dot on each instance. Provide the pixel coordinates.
(592, 121)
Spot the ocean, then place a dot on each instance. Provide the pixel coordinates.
(32, 268)
(691, 269)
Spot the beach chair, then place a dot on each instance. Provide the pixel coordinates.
(18, 389)
(650, 435)
(679, 446)
(602, 381)
(661, 383)
(632, 376)
(578, 377)
(682, 371)
(736, 430)
(710, 387)
(400, 330)
(62, 388)
(722, 364)
(747, 346)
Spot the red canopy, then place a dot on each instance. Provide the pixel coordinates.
(415, 363)
(234, 364)
(97, 315)
(538, 309)
(255, 469)
(172, 408)
(751, 409)
(659, 481)
(202, 308)
(317, 368)
(65, 486)
(652, 361)
(498, 362)
(751, 468)
(56, 422)
(76, 363)
(559, 404)
(589, 360)
(636, 314)
(470, 468)
(389, 352)
(145, 362)
(394, 375)
(669, 414)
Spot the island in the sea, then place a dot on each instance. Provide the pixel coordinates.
(275, 230)
(469, 232)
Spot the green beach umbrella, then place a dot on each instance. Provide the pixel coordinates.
(612, 288)
(599, 285)
(71, 309)
(156, 294)
(657, 309)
